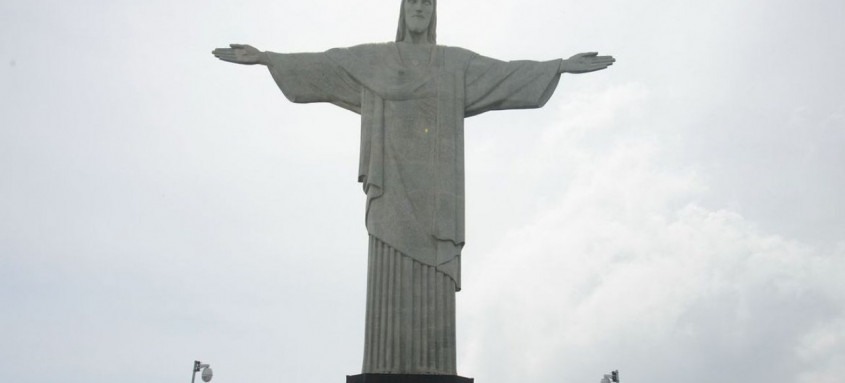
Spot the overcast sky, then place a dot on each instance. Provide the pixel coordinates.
(678, 217)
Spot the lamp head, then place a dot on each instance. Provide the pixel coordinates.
(207, 374)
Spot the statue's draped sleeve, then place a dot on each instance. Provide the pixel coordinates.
(497, 85)
(315, 77)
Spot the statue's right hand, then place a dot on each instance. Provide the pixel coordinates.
(240, 54)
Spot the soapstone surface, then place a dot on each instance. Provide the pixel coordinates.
(413, 96)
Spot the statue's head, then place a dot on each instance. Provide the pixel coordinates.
(418, 17)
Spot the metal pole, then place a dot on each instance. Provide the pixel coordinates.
(196, 368)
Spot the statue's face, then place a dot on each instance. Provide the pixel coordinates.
(418, 15)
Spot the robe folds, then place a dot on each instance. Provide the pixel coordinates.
(412, 130)
(412, 108)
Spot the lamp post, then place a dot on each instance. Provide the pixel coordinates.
(206, 371)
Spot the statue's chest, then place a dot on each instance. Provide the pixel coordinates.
(410, 128)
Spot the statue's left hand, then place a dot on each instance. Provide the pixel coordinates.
(240, 54)
(586, 62)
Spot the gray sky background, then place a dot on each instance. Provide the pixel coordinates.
(678, 217)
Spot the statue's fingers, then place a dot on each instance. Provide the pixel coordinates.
(218, 52)
(236, 46)
(590, 54)
(227, 57)
(231, 60)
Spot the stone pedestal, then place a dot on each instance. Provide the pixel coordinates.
(406, 378)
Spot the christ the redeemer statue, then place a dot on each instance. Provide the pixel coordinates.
(413, 96)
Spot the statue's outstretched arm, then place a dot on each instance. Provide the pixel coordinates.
(586, 62)
(242, 54)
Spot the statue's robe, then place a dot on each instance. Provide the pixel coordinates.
(412, 170)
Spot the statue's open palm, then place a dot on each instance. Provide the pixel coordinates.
(239, 54)
(586, 62)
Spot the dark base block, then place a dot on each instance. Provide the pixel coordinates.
(406, 378)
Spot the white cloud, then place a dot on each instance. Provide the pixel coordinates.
(622, 271)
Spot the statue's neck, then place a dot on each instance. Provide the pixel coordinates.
(412, 37)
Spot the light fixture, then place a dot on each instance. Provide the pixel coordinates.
(613, 377)
(206, 371)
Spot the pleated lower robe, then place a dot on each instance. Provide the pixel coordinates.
(410, 323)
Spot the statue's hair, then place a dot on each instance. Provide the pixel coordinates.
(432, 26)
